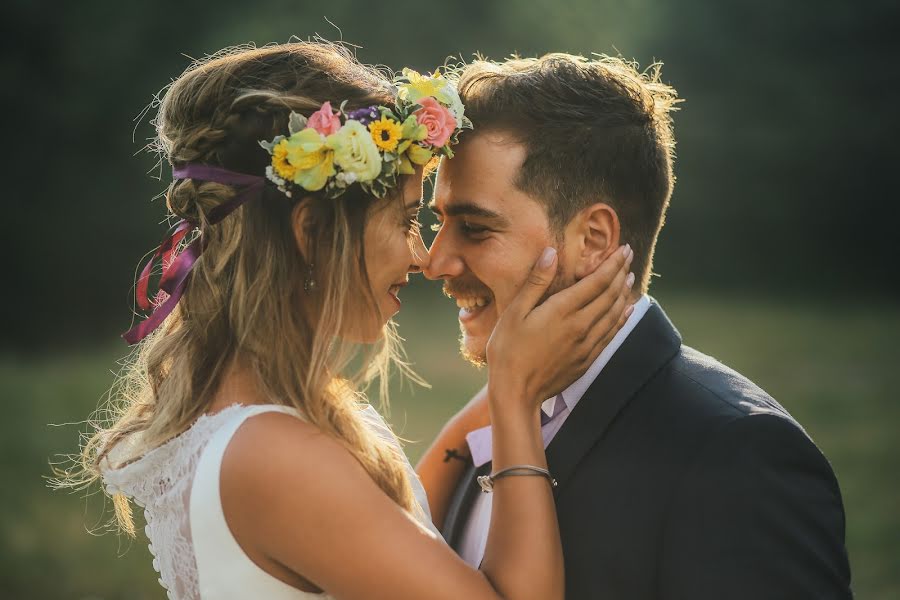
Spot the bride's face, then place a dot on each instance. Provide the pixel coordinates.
(393, 249)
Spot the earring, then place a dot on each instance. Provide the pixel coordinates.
(309, 285)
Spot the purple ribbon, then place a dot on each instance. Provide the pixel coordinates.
(175, 272)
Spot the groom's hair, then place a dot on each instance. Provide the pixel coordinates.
(594, 130)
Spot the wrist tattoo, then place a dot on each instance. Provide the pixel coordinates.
(452, 453)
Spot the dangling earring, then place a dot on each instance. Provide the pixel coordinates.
(309, 285)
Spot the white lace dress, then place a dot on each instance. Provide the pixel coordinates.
(177, 484)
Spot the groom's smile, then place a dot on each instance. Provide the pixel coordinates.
(490, 233)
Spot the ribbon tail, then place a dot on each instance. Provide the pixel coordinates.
(164, 252)
(146, 327)
(173, 283)
(176, 275)
(143, 282)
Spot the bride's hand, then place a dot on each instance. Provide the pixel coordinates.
(538, 351)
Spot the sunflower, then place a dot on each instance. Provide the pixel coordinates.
(386, 133)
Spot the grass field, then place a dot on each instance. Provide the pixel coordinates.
(833, 366)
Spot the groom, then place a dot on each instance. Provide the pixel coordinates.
(678, 477)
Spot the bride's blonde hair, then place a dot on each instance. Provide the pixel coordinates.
(246, 301)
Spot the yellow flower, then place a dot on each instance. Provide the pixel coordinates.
(386, 133)
(420, 86)
(280, 163)
(311, 158)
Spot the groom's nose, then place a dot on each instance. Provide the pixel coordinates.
(445, 261)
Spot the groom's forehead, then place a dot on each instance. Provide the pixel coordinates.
(464, 207)
(479, 180)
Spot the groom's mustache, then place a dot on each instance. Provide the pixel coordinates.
(464, 288)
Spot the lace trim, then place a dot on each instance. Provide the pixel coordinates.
(160, 482)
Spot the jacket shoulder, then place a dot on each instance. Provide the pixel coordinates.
(709, 387)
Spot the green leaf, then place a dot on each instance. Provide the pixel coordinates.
(387, 112)
(419, 155)
(296, 123)
(411, 129)
(406, 167)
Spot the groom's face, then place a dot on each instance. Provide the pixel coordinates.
(490, 236)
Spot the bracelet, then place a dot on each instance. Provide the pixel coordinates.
(487, 481)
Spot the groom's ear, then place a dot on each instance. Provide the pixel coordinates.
(594, 234)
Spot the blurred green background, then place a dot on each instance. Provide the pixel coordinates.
(778, 256)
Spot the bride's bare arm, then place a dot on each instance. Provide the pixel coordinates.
(301, 506)
(296, 499)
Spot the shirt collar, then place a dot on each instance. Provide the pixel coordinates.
(572, 394)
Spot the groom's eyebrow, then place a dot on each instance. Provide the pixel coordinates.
(468, 209)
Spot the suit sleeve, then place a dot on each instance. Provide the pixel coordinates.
(758, 515)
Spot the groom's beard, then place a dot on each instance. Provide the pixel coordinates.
(464, 287)
(471, 286)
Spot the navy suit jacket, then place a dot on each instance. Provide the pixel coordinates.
(681, 479)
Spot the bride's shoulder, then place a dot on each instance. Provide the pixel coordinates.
(283, 480)
(272, 451)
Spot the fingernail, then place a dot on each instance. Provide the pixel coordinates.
(629, 281)
(629, 310)
(625, 250)
(547, 258)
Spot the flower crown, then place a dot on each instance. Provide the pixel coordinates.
(371, 146)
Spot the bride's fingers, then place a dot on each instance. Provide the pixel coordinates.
(585, 291)
(606, 320)
(536, 284)
(601, 305)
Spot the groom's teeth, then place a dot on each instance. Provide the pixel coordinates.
(470, 303)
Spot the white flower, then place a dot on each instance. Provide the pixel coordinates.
(455, 104)
(355, 152)
(346, 178)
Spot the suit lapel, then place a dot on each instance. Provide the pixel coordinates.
(461, 504)
(652, 344)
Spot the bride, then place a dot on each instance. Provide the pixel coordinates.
(240, 427)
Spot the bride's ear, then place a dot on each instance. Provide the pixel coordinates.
(300, 225)
(596, 233)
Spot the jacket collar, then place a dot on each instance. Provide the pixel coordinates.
(652, 344)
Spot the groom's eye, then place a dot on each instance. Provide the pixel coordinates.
(471, 229)
(467, 228)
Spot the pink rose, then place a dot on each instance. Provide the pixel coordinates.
(439, 121)
(324, 120)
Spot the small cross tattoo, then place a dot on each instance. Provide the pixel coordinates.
(452, 453)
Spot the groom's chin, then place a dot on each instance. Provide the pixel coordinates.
(473, 350)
